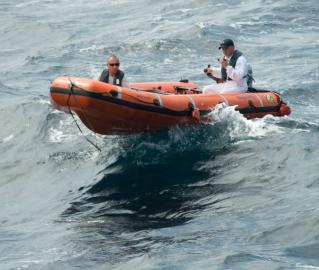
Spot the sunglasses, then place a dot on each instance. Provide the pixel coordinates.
(114, 64)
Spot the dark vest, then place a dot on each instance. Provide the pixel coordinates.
(118, 78)
(232, 62)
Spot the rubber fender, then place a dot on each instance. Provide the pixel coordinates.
(284, 109)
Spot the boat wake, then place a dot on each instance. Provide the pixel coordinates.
(160, 179)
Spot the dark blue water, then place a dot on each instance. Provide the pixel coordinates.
(234, 194)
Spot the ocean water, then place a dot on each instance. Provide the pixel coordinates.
(234, 194)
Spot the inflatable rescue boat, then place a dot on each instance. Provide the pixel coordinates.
(152, 106)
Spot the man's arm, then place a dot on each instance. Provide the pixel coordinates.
(240, 70)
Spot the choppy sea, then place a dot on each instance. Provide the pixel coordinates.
(235, 194)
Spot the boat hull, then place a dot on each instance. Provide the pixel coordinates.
(109, 109)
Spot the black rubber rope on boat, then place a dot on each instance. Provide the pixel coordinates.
(68, 103)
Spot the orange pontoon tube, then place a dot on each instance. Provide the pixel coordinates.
(110, 109)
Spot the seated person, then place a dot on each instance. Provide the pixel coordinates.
(232, 76)
(112, 74)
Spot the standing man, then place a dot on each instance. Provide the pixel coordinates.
(232, 75)
(113, 75)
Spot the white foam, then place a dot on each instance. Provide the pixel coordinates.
(201, 25)
(57, 135)
(44, 102)
(168, 61)
(239, 126)
(25, 4)
(185, 10)
(8, 138)
(142, 262)
(93, 48)
(304, 266)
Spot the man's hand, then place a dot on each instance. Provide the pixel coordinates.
(208, 71)
(223, 62)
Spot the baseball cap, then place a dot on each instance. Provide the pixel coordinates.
(226, 43)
